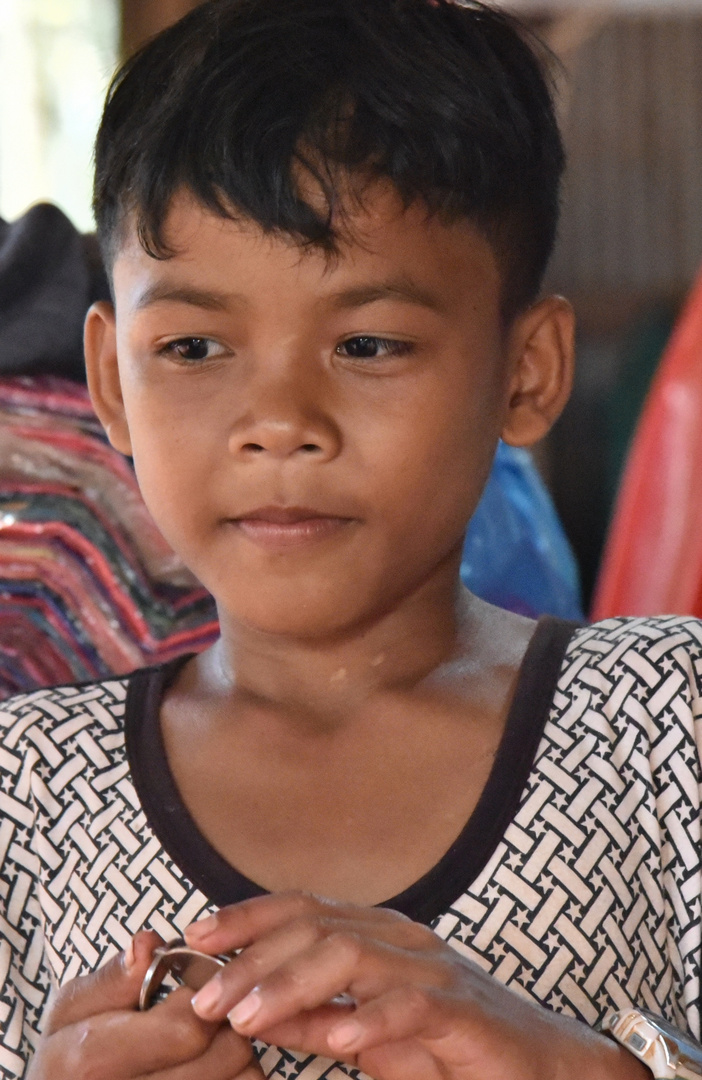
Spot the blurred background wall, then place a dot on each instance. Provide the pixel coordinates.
(630, 239)
(630, 94)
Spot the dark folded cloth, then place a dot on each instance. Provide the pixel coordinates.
(50, 274)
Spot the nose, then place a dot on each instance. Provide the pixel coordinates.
(279, 439)
(282, 427)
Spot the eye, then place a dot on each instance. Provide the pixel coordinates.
(369, 347)
(192, 349)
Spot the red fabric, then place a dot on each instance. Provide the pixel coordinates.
(39, 657)
(653, 557)
(51, 395)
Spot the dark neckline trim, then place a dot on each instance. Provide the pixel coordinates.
(435, 891)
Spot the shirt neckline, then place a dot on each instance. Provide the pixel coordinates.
(449, 878)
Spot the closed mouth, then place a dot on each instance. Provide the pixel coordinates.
(287, 515)
(289, 526)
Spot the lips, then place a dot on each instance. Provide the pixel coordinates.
(282, 527)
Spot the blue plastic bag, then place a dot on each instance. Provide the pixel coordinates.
(516, 554)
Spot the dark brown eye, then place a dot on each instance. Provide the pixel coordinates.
(370, 347)
(362, 346)
(192, 348)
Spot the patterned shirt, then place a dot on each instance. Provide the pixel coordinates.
(576, 881)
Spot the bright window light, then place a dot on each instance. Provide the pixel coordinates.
(56, 59)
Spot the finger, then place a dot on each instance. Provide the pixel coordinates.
(228, 1057)
(282, 944)
(342, 963)
(409, 1011)
(239, 925)
(257, 961)
(115, 985)
(127, 1043)
(338, 964)
(308, 1032)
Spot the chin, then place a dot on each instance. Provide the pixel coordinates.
(301, 618)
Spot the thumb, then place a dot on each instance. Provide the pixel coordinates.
(113, 986)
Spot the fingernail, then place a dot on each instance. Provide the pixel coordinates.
(207, 999)
(202, 927)
(129, 957)
(243, 1013)
(345, 1035)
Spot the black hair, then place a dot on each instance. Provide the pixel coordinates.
(444, 98)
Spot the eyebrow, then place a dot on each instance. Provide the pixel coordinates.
(402, 289)
(399, 289)
(163, 292)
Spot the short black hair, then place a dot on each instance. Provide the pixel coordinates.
(447, 99)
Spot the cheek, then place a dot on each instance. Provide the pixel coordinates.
(171, 457)
(434, 459)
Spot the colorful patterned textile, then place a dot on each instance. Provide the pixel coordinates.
(88, 586)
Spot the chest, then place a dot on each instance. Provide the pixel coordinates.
(359, 817)
(579, 905)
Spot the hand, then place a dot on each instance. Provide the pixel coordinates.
(423, 1012)
(93, 1031)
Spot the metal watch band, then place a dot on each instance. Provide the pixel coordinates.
(666, 1051)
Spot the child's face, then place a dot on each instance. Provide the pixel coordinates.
(363, 394)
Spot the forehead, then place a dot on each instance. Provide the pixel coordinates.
(380, 241)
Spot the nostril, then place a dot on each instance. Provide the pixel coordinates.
(257, 448)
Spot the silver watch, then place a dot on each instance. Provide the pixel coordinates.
(664, 1049)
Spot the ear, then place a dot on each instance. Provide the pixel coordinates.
(100, 344)
(541, 351)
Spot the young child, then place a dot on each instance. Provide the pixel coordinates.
(437, 839)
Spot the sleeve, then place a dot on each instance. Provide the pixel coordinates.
(25, 981)
(668, 666)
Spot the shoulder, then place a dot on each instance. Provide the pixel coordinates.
(646, 648)
(633, 674)
(645, 628)
(72, 727)
(60, 703)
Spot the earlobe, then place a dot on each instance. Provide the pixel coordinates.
(100, 344)
(541, 361)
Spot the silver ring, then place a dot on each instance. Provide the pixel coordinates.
(190, 967)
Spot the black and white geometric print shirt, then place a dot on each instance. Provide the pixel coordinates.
(576, 881)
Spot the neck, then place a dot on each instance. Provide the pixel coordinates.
(323, 680)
